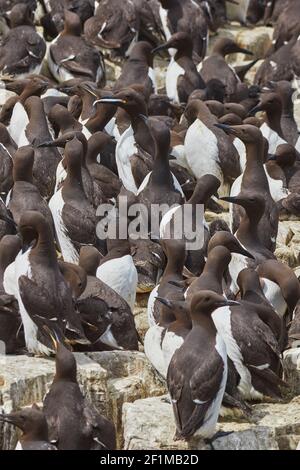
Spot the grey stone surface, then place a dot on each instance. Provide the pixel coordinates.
(108, 379)
(149, 424)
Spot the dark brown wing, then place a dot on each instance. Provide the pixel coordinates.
(80, 225)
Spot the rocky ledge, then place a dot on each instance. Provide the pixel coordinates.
(124, 386)
(149, 424)
(109, 379)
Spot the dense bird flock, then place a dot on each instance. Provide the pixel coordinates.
(220, 312)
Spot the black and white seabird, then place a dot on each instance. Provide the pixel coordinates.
(106, 317)
(215, 65)
(24, 194)
(22, 49)
(197, 373)
(118, 271)
(221, 157)
(74, 216)
(44, 297)
(65, 404)
(32, 422)
(114, 26)
(255, 178)
(160, 342)
(70, 55)
(176, 255)
(10, 319)
(253, 349)
(182, 76)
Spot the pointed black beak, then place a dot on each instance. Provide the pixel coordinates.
(161, 47)
(232, 199)
(244, 51)
(143, 117)
(165, 302)
(48, 143)
(231, 303)
(178, 284)
(11, 419)
(27, 246)
(226, 128)
(242, 251)
(255, 110)
(271, 158)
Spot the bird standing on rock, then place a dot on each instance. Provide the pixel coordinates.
(197, 373)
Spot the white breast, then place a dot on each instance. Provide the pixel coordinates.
(86, 132)
(61, 175)
(68, 250)
(153, 351)
(23, 268)
(150, 306)
(121, 275)
(112, 129)
(179, 153)
(237, 263)
(18, 123)
(277, 189)
(173, 73)
(198, 137)
(273, 293)
(58, 71)
(222, 321)
(108, 338)
(9, 280)
(164, 227)
(151, 75)
(208, 427)
(170, 344)
(241, 148)
(124, 150)
(272, 137)
(164, 20)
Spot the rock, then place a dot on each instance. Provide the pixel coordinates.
(108, 379)
(286, 255)
(291, 366)
(257, 40)
(5, 94)
(211, 216)
(130, 377)
(160, 67)
(288, 242)
(149, 424)
(285, 233)
(141, 320)
(113, 71)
